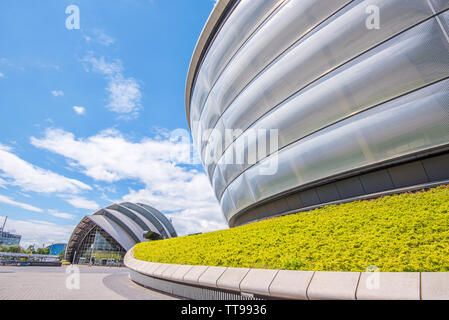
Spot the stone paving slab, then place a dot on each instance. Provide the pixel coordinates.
(231, 278)
(435, 286)
(258, 281)
(389, 286)
(160, 270)
(180, 273)
(169, 271)
(41, 283)
(333, 285)
(194, 274)
(211, 275)
(291, 284)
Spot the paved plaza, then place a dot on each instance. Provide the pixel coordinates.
(54, 283)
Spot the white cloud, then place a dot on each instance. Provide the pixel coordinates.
(61, 215)
(57, 93)
(82, 203)
(39, 232)
(2, 75)
(100, 37)
(99, 65)
(28, 177)
(182, 192)
(79, 110)
(103, 38)
(7, 200)
(124, 93)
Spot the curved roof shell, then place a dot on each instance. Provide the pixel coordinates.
(125, 222)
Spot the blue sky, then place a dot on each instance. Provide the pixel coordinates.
(86, 115)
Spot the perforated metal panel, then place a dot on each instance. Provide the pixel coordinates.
(347, 100)
(188, 291)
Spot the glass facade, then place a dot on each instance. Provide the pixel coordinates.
(344, 97)
(103, 237)
(9, 239)
(99, 248)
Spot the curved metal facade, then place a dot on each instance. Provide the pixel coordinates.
(126, 223)
(359, 108)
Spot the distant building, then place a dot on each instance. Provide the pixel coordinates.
(9, 239)
(57, 248)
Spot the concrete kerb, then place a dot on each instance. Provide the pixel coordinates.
(302, 285)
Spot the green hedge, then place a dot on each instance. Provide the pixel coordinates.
(407, 232)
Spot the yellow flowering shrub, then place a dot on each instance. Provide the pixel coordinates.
(406, 232)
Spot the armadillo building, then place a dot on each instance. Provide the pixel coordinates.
(358, 92)
(104, 237)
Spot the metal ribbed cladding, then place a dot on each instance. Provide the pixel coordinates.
(119, 221)
(137, 210)
(251, 100)
(79, 233)
(162, 218)
(130, 214)
(217, 16)
(317, 130)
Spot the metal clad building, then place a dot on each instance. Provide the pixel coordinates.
(56, 248)
(358, 91)
(107, 234)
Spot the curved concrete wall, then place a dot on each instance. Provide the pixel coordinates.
(345, 98)
(184, 280)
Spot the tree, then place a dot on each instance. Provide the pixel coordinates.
(16, 249)
(12, 249)
(150, 235)
(45, 251)
(61, 255)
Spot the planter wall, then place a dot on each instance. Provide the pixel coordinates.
(203, 282)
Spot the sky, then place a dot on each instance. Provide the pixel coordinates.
(88, 115)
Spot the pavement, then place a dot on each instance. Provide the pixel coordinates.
(72, 283)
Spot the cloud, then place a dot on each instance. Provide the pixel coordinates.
(103, 38)
(99, 65)
(79, 110)
(179, 190)
(57, 93)
(100, 37)
(28, 177)
(193, 210)
(61, 215)
(124, 93)
(82, 203)
(39, 232)
(2, 75)
(7, 200)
